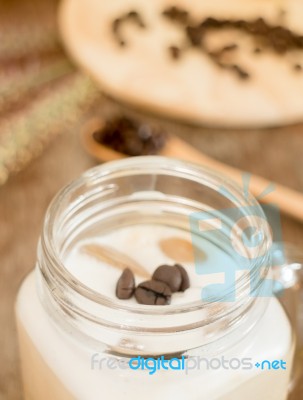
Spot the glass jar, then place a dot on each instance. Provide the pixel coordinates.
(234, 342)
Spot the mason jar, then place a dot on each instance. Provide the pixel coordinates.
(227, 337)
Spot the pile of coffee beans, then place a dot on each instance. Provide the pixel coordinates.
(266, 37)
(165, 281)
(130, 137)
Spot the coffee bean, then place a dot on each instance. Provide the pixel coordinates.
(211, 23)
(174, 276)
(116, 24)
(194, 35)
(169, 275)
(258, 26)
(176, 14)
(298, 67)
(132, 14)
(185, 278)
(153, 293)
(240, 23)
(240, 72)
(175, 52)
(125, 285)
(136, 17)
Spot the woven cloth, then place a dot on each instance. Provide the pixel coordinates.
(41, 93)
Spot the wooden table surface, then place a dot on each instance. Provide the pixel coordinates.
(275, 154)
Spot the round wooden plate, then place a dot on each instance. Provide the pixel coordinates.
(193, 88)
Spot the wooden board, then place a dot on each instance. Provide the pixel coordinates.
(193, 88)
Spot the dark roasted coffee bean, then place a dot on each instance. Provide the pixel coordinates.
(116, 31)
(176, 14)
(136, 17)
(258, 26)
(125, 285)
(130, 17)
(195, 35)
(175, 52)
(240, 23)
(116, 24)
(212, 23)
(298, 67)
(132, 14)
(153, 293)
(241, 73)
(299, 42)
(281, 39)
(169, 275)
(185, 278)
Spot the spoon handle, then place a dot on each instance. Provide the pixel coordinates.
(289, 201)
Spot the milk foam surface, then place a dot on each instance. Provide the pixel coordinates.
(141, 243)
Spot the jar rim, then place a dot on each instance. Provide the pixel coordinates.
(54, 268)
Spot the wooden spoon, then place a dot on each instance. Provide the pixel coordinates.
(289, 201)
